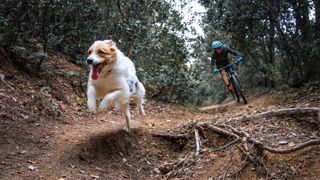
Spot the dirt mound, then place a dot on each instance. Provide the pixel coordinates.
(138, 154)
(110, 145)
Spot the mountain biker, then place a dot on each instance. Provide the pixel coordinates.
(220, 59)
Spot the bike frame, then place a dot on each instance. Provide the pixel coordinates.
(234, 80)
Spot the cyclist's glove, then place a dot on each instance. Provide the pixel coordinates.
(239, 60)
(215, 70)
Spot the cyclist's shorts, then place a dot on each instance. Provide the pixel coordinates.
(229, 69)
(222, 64)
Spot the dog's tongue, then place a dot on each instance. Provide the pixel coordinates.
(95, 72)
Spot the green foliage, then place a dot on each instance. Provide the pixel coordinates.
(146, 31)
(279, 41)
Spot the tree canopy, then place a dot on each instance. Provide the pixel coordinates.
(280, 40)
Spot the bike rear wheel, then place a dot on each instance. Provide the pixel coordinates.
(237, 89)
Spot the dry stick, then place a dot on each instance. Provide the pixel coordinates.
(182, 162)
(248, 155)
(227, 145)
(244, 163)
(171, 136)
(228, 168)
(265, 167)
(2, 79)
(217, 129)
(198, 142)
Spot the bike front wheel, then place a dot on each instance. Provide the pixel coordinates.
(237, 89)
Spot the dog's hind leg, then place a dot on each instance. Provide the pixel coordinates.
(139, 98)
(125, 109)
(139, 101)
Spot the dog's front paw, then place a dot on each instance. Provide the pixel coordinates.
(91, 105)
(127, 129)
(142, 113)
(101, 107)
(92, 109)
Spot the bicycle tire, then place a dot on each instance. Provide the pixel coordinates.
(237, 88)
(234, 92)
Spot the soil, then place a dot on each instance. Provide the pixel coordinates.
(47, 133)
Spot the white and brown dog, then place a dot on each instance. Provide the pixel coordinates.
(112, 80)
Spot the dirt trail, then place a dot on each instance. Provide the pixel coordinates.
(46, 133)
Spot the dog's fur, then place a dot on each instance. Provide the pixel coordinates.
(112, 80)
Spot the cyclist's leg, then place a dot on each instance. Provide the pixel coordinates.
(225, 79)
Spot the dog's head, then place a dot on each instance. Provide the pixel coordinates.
(101, 53)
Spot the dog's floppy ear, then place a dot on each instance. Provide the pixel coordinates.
(110, 42)
(112, 49)
(89, 51)
(113, 44)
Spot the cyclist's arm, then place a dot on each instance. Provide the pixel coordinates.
(213, 61)
(234, 52)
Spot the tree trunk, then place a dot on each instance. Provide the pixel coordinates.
(301, 13)
(317, 14)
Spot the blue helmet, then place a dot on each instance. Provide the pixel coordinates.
(216, 44)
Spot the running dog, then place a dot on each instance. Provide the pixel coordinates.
(113, 80)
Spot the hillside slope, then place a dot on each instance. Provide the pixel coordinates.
(46, 133)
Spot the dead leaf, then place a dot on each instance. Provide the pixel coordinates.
(32, 168)
(94, 176)
(72, 166)
(32, 162)
(291, 144)
(2, 76)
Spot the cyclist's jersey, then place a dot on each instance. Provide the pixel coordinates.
(221, 60)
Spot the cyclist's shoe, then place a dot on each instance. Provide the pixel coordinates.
(229, 88)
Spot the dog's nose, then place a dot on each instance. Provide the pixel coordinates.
(89, 61)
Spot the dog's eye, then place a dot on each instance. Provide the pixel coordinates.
(100, 52)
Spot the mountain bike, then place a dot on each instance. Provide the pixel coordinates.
(237, 90)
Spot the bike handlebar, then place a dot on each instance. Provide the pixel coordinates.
(230, 64)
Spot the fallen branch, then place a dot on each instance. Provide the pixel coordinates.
(2, 79)
(288, 112)
(173, 136)
(198, 142)
(217, 129)
(175, 168)
(228, 168)
(227, 145)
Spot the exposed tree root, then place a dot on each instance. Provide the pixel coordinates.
(173, 136)
(246, 138)
(256, 153)
(253, 149)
